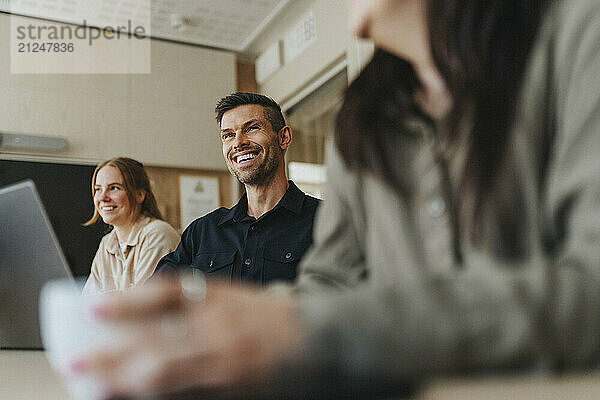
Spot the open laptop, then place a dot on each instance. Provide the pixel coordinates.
(30, 255)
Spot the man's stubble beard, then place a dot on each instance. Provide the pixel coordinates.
(264, 173)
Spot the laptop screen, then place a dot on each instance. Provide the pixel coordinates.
(29, 256)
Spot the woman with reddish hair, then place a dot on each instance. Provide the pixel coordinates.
(139, 238)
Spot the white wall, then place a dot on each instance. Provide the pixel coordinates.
(331, 44)
(334, 44)
(164, 118)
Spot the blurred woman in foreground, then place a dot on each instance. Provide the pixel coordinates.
(461, 230)
(127, 255)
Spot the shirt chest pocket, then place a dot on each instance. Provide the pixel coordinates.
(281, 261)
(215, 263)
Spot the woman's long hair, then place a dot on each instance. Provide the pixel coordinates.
(135, 178)
(481, 49)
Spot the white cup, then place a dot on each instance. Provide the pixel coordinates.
(68, 332)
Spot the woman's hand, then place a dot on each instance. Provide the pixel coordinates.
(169, 342)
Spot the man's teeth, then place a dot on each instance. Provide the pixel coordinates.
(108, 208)
(245, 157)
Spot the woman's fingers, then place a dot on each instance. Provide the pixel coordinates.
(121, 373)
(167, 340)
(145, 368)
(159, 296)
(156, 297)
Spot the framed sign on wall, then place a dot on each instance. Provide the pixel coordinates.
(198, 195)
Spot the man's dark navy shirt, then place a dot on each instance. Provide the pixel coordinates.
(230, 244)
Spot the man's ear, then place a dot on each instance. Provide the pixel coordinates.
(285, 137)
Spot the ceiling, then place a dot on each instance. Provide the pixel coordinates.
(224, 24)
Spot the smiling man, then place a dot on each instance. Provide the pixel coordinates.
(263, 237)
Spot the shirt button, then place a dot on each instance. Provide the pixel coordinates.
(436, 207)
(248, 261)
(253, 228)
(288, 256)
(211, 263)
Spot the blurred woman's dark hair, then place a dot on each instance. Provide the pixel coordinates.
(481, 49)
(134, 178)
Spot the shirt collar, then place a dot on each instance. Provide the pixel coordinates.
(112, 244)
(292, 199)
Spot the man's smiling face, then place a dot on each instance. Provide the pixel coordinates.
(250, 146)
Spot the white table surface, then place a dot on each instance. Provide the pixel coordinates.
(570, 387)
(26, 375)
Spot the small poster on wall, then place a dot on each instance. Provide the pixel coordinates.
(198, 195)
